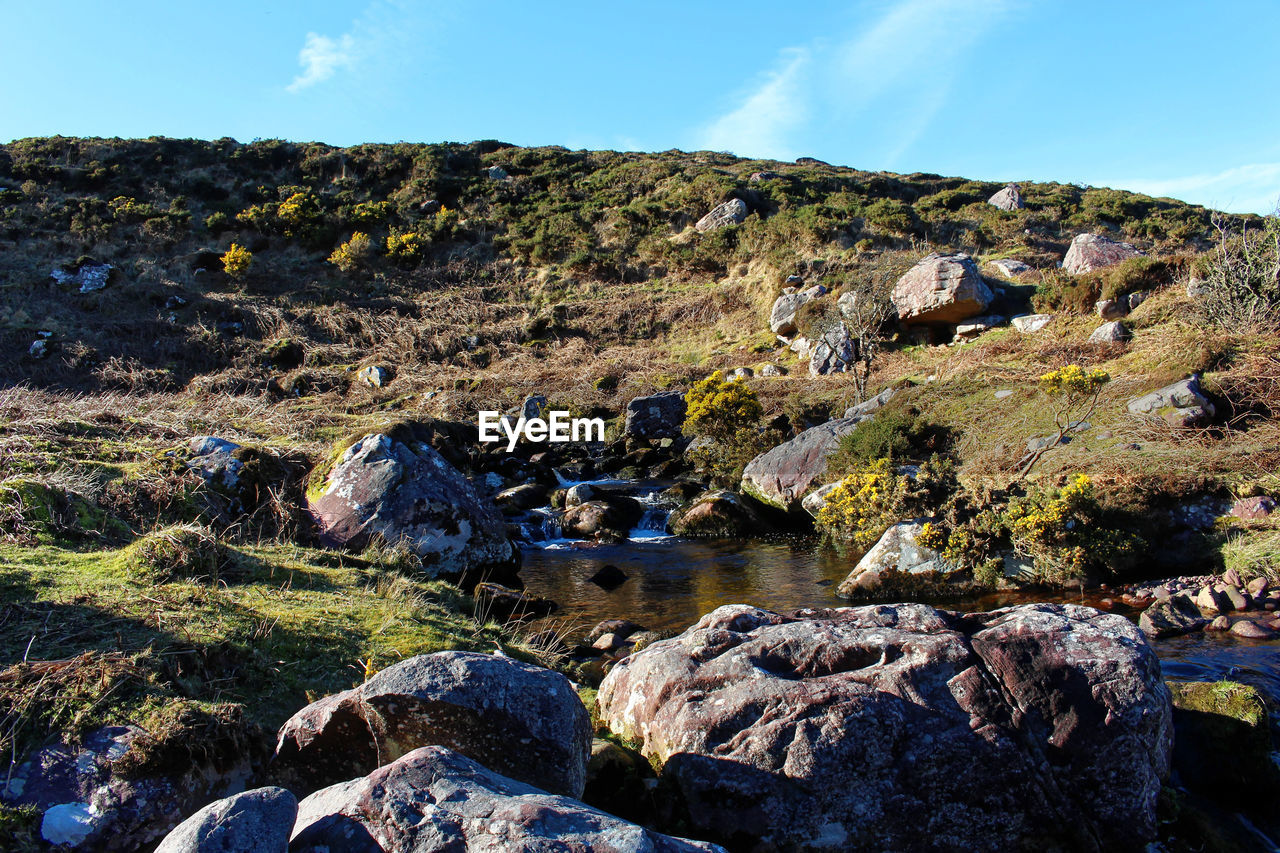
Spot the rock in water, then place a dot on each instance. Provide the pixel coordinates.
(941, 289)
(896, 552)
(1175, 615)
(1089, 252)
(720, 513)
(259, 820)
(434, 800)
(903, 728)
(656, 416)
(1009, 198)
(407, 493)
(516, 718)
(732, 212)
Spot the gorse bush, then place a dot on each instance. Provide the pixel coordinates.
(352, 254)
(406, 247)
(863, 505)
(237, 260)
(1076, 391)
(719, 408)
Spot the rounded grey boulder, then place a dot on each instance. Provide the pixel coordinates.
(258, 821)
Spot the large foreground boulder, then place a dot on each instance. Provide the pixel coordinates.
(941, 289)
(434, 800)
(405, 492)
(1089, 252)
(902, 728)
(260, 820)
(518, 719)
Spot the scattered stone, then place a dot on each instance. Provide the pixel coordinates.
(757, 177)
(1114, 332)
(1170, 617)
(1219, 623)
(1009, 267)
(1182, 404)
(502, 602)
(375, 376)
(39, 349)
(814, 502)
(771, 371)
(1258, 586)
(732, 212)
(620, 627)
(1252, 509)
(577, 495)
(893, 726)
(407, 493)
(1089, 252)
(1030, 323)
(1235, 598)
(513, 717)
(656, 416)
(1251, 630)
(609, 577)
(1009, 198)
(1210, 599)
(258, 820)
(1111, 309)
(1004, 394)
(606, 520)
(835, 352)
(868, 407)
(976, 326)
(941, 289)
(782, 317)
(497, 173)
(896, 552)
(434, 799)
(89, 277)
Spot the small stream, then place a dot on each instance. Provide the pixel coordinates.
(672, 582)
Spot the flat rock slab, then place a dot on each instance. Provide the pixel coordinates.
(903, 727)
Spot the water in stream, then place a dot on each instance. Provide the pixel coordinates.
(672, 582)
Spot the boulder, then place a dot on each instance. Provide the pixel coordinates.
(577, 495)
(975, 326)
(433, 800)
(405, 492)
(1009, 267)
(522, 497)
(1111, 309)
(89, 802)
(1029, 323)
(611, 519)
(513, 717)
(781, 476)
(896, 552)
(260, 820)
(1089, 252)
(1009, 198)
(782, 317)
(1182, 404)
(732, 212)
(941, 289)
(1114, 332)
(1251, 630)
(1252, 509)
(868, 407)
(655, 416)
(814, 502)
(374, 376)
(902, 727)
(771, 371)
(39, 349)
(720, 513)
(89, 277)
(1172, 616)
(834, 352)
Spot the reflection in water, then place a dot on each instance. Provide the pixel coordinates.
(673, 582)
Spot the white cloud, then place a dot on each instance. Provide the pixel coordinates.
(761, 126)
(908, 53)
(1253, 188)
(320, 58)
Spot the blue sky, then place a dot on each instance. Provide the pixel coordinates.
(1170, 98)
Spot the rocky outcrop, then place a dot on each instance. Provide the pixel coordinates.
(868, 407)
(260, 820)
(655, 416)
(88, 801)
(896, 552)
(433, 800)
(720, 513)
(514, 718)
(1089, 252)
(902, 728)
(407, 493)
(782, 317)
(732, 212)
(834, 352)
(1182, 404)
(1009, 198)
(941, 289)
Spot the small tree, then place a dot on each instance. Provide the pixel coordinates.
(236, 260)
(1241, 286)
(865, 315)
(1077, 392)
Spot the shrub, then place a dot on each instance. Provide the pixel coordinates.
(217, 222)
(370, 212)
(1077, 391)
(406, 247)
(236, 260)
(298, 213)
(896, 434)
(1241, 276)
(863, 505)
(720, 409)
(352, 254)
